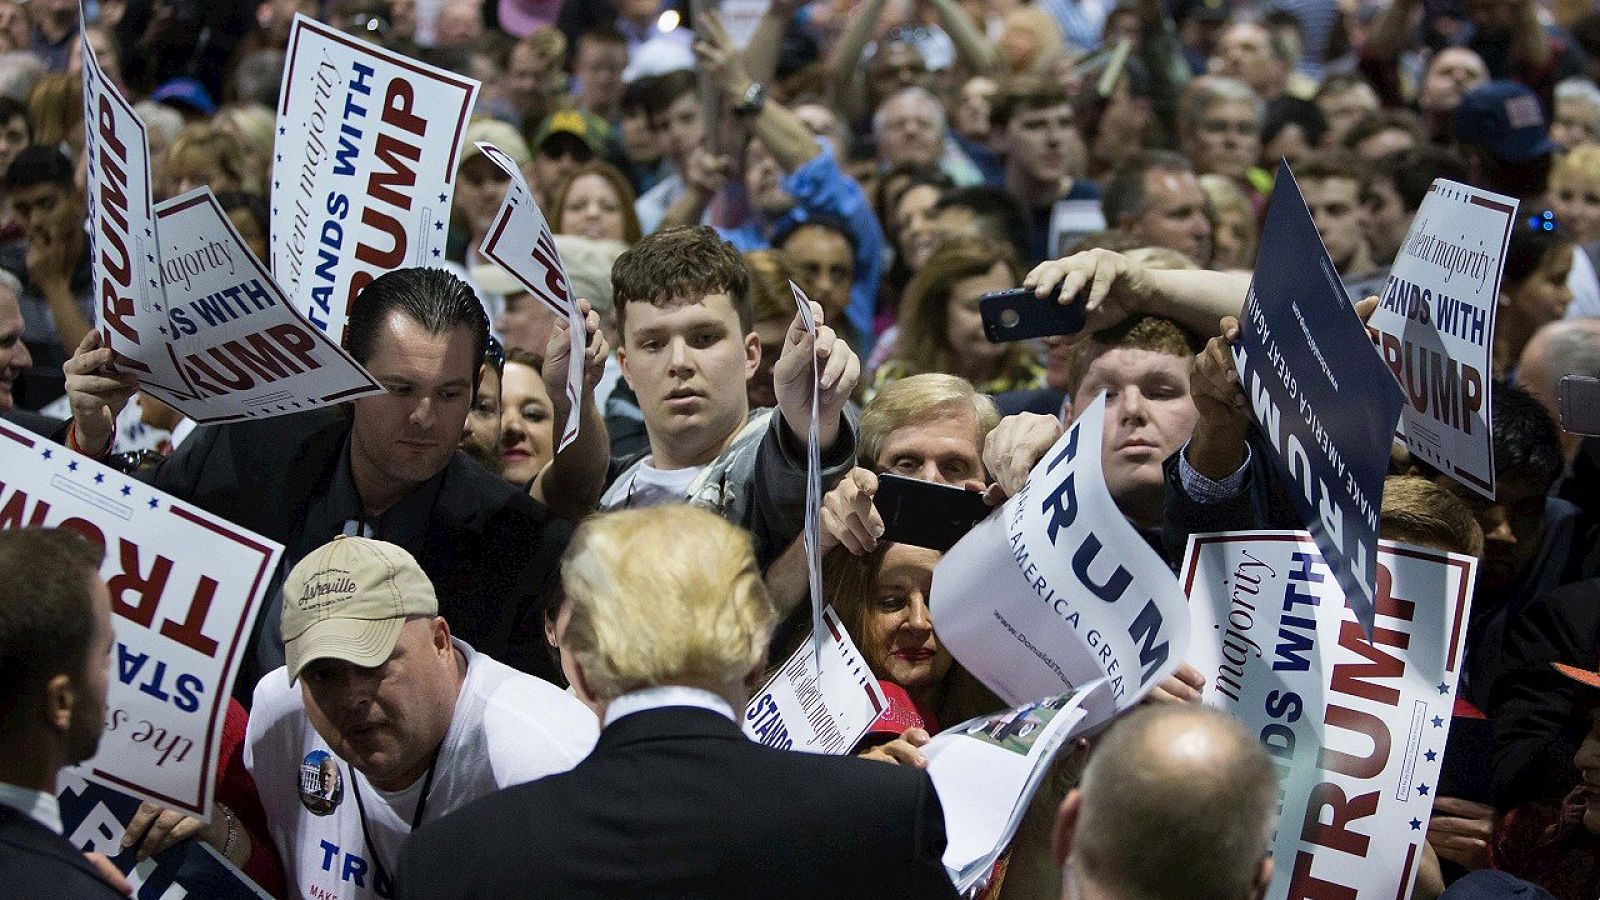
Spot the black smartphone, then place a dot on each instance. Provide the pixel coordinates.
(1579, 396)
(926, 513)
(1017, 315)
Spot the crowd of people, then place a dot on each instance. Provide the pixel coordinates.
(486, 668)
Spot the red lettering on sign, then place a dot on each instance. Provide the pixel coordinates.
(1336, 836)
(1306, 886)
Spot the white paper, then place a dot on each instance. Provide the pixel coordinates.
(1435, 328)
(813, 525)
(1056, 588)
(364, 167)
(123, 237)
(185, 590)
(242, 350)
(987, 768)
(817, 710)
(520, 242)
(1359, 724)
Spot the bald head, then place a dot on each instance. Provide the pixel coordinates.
(1177, 801)
(1563, 347)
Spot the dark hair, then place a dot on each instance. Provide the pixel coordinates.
(666, 88)
(1413, 172)
(677, 263)
(1526, 446)
(603, 33)
(1025, 94)
(1526, 249)
(1320, 164)
(433, 298)
(12, 108)
(1285, 111)
(824, 221)
(46, 618)
(254, 204)
(636, 95)
(38, 164)
(1125, 192)
(995, 212)
(1379, 121)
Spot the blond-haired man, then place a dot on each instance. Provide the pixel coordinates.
(668, 629)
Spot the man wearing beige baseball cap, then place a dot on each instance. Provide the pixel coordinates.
(381, 721)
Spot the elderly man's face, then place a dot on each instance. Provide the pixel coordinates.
(406, 436)
(1577, 121)
(946, 449)
(911, 131)
(1149, 415)
(14, 356)
(1226, 139)
(387, 721)
(1175, 215)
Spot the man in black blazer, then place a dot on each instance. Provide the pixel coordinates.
(387, 468)
(667, 630)
(55, 646)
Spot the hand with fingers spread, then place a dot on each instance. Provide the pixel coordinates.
(1117, 287)
(838, 370)
(902, 751)
(97, 391)
(849, 518)
(1013, 448)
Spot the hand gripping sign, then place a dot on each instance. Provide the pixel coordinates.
(123, 239)
(1057, 588)
(519, 241)
(1435, 328)
(1357, 728)
(185, 589)
(364, 167)
(240, 347)
(1329, 415)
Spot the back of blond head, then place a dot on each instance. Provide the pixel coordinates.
(665, 595)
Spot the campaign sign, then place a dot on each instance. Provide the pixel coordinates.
(1056, 588)
(519, 241)
(1329, 414)
(365, 166)
(817, 709)
(94, 819)
(1435, 328)
(122, 233)
(1356, 728)
(812, 532)
(185, 589)
(241, 347)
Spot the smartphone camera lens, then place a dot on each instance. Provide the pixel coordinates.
(1009, 318)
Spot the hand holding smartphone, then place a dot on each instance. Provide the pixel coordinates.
(1018, 315)
(926, 513)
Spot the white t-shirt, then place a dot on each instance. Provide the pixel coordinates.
(647, 485)
(508, 728)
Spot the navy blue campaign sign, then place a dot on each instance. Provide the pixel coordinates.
(94, 817)
(1327, 405)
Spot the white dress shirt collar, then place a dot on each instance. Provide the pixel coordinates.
(667, 695)
(36, 805)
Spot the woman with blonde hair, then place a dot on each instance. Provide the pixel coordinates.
(941, 331)
(207, 153)
(595, 202)
(56, 106)
(1233, 221)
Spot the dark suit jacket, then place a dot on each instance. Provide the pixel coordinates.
(676, 802)
(491, 550)
(37, 863)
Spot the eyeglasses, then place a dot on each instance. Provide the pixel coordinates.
(1543, 221)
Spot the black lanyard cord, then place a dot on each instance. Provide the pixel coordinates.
(382, 872)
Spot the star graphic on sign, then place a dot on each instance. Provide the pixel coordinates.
(275, 184)
(126, 491)
(1430, 756)
(163, 330)
(1443, 689)
(48, 453)
(147, 232)
(150, 257)
(72, 466)
(1422, 789)
(441, 198)
(282, 129)
(99, 478)
(280, 157)
(153, 282)
(436, 253)
(1416, 824)
(154, 503)
(157, 306)
(1438, 722)
(438, 226)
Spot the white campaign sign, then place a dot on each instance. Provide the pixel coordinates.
(241, 348)
(185, 590)
(365, 165)
(123, 239)
(812, 534)
(818, 710)
(1357, 729)
(1435, 327)
(1056, 588)
(519, 241)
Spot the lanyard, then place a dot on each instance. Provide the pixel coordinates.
(416, 820)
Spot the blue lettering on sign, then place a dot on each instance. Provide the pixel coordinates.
(767, 724)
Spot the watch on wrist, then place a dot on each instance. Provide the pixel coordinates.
(754, 98)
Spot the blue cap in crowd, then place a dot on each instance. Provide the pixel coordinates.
(1504, 118)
